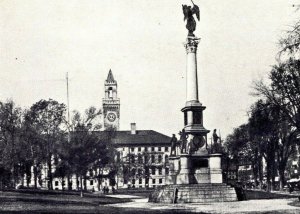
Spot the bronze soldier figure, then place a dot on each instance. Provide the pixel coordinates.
(173, 145)
(183, 140)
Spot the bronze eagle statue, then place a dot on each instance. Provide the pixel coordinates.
(188, 13)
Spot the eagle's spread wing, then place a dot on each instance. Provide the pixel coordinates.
(196, 11)
(185, 11)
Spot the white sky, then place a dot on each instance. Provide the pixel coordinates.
(142, 42)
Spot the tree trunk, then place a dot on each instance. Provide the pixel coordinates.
(28, 178)
(84, 182)
(81, 187)
(13, 181)
(281, 170)
(98, 185)
(69, 182)
(50, 185)
(35, 176)
(77, 182)
(63, 183)
(269, 169)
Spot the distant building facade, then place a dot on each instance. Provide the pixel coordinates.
(143, 156)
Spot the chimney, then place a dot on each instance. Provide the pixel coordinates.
(133, 128)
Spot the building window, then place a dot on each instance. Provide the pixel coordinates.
(152, 149)
(56, 183)
(159, 171)
(133, 172)
(147, 171)
(167, 171)
(159, 158)
(133, 181)
(140, 172)
(153, 170)
(132, 149)
(160, 180)
(152, 158)
(132, 159)
(140, 181)
(140, 159)
(166, 149)
(139, 149)
(166, 159)
(110, 92)
(159, 149)
(91, 182)
(55, 160)
(147, 181)
(153, 181)
(146, 149)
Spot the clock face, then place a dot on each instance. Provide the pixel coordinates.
(111, 117)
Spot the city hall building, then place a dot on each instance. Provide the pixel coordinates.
(143, 154)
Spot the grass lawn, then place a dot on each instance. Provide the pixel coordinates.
(20, 202)
(296, 203)
(60, 203)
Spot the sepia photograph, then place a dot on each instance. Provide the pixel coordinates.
(147, 106)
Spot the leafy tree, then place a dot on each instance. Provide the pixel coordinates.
(290, 42)
(283, 94)
(286, 147)
(33, 148)
(46, 118)
(240, 150)
(106, 160)
(10, 150)
(284, 90)
(263, 129)
(87, 147)
(62, 170)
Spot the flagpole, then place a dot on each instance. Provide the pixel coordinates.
(68, 108)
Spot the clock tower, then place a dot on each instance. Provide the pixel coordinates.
(111, 103)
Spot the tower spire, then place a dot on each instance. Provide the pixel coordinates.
(110, 77)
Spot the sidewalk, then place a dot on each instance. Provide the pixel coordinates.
(251, 206)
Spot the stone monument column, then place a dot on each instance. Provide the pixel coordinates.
(191, 70)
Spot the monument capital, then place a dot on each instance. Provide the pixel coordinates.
(191, 44)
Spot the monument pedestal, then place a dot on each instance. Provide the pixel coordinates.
(194, 179)
(195, 169)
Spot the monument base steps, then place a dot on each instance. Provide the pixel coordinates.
(193, 193)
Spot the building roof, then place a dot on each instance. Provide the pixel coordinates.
(110, 77)
(141, 138)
